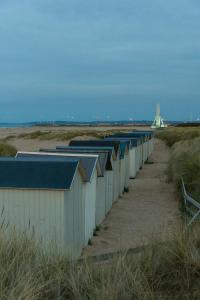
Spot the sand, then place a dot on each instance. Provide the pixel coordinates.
(25, 144)
(149, 211)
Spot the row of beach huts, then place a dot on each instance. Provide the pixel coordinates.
(61, 195)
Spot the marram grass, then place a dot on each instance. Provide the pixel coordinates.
(168, 270)
(173, 135)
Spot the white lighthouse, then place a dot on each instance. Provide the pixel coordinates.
(158, 121)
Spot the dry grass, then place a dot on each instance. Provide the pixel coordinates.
(7, 149)
(162, 270)
(185, 157)
(173, 135)
(65, 135)
(185, 163)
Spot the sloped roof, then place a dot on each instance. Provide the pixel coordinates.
(131, 135)
(140, 134)
(100, 157)
(105, 156)
(109, 150)
(89, 163)
(149, 133)
(37, 174)
(124, 144)
(135, 141)
(96, 143)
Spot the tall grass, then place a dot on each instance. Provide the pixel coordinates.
(161, 271)
(60, 135)
(173, 135)
(185, 157)
(66, 135)
(7, 149)
(185, 163)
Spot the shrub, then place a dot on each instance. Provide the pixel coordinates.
(7, 149)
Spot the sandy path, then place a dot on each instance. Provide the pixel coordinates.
(148, 211)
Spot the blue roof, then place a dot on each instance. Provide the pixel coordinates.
(104, 153)
(124, 144)
(135, 141)
(129, 135)
(37, 174)
(96, 143)
(149, 133)
(88, 163)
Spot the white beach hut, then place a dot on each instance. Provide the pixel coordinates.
(116, 160)
(44, 198)
(92, 169)
(108, 173)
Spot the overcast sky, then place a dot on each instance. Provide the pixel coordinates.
(105, 59)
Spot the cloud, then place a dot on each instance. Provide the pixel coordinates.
(102, 50)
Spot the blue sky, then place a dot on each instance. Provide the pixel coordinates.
(92, 60)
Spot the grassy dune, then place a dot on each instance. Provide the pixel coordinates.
(173, 135)
(65, 135)
(162, 270)
(185, 157)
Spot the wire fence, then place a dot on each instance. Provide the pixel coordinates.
(192, 206)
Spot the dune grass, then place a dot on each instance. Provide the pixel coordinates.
(62, 135)
(185, 163)
(173, 135)
(7, 149)
(161, 271)
(185, 157)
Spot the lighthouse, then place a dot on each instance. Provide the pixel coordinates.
(158, 121)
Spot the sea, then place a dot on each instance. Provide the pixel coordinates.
(92, 124)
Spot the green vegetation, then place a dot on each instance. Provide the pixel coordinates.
(185, 157)
(185, 163)
(173, 135)
(62, 135)
(161, 271)
(7, 149)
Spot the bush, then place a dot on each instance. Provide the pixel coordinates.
(7, 149)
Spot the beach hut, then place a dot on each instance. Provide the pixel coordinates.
(44, 198)
(116, 162)
(135, 155)
(100, 197)
(125, 146)
(108, 167)
(150, 135)
(141, 146)
(92, 169)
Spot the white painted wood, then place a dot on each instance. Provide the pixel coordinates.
(133, 162)
(34, 211)
(74, 212)
(59, 218)
(100, 200)
(122, 175)
(109, 190)
(116, 187)
(127, 169)
(90, 190)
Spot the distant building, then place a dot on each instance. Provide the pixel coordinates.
(158, 121)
